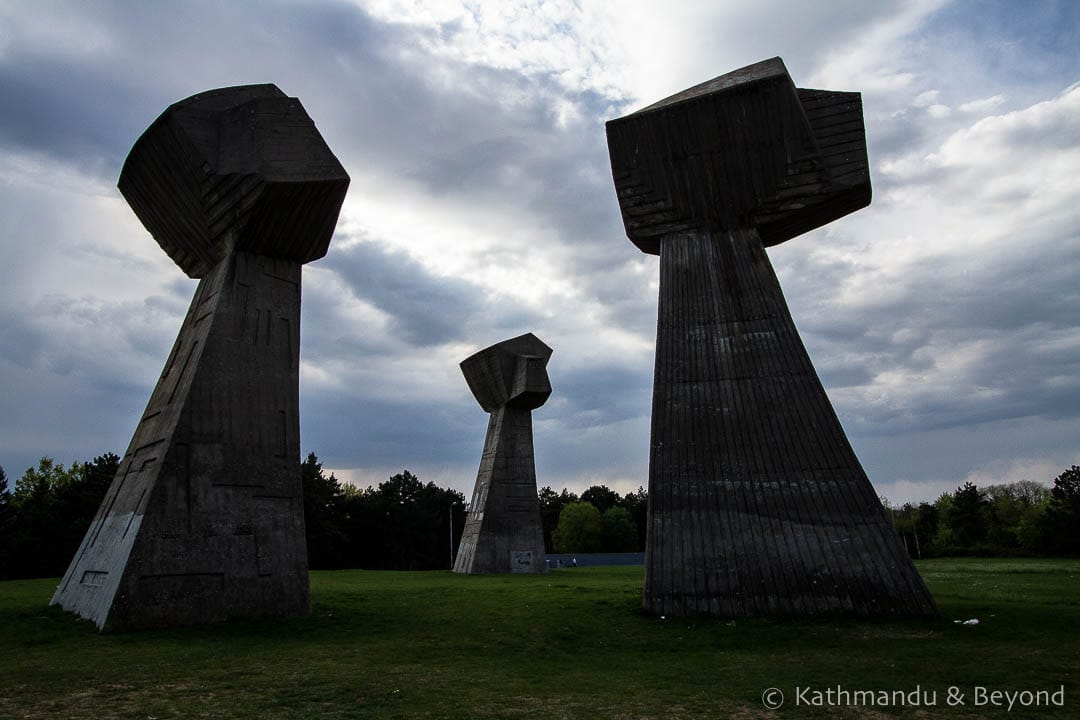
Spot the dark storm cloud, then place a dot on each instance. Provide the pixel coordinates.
(72, 113)
(602, 394)
(1024, 47)
(513, 143)
(1013, 307)
(367, 431)
(94, 105)
(426, 310)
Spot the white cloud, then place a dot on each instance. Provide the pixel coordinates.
(925, 99)
(556, 38)
(473, 133)
(983, 105)
(1002, 472)
(941, 297)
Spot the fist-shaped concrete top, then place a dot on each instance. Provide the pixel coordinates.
(239, 168)
(744, 150)
(510, 373)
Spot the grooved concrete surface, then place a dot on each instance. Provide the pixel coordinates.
(204, 520)
(503, 530)
(757, 503)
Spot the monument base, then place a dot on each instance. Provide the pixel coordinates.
(204, 521)
(757, 503)
(503, 532)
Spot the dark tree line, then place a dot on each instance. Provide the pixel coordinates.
(403, 524)
(600, 520)
(406, 524)
(1020, 518)
(43, 521)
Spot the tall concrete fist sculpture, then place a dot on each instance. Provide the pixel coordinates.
(503, 531)
(757, 503)
(204, 521)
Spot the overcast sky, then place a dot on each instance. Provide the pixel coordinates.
(944, 319)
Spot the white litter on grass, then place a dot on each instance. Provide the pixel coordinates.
(972, 621)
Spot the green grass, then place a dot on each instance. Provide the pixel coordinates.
(571, 644)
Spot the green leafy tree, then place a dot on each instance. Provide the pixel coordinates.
(579, 529)
(1031, 533)
(637, 504)
(551, 504)
(618, 533)
(326, 542)
(7, 526)
(418, 522)
(37, 550)
(1007, 506)
(903, 521)
(966, 516)
(403, 524)
(1061, 520)
(52, 509)
(943, 538)
(601, 497)
(77, 502)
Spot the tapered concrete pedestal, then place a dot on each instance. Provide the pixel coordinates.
(757, 503)
(504, 534)
(503, 530)
(204, 520)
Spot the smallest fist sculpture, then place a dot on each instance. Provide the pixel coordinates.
(503, 532)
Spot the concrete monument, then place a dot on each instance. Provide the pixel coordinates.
(757, 503)
(204, 521)
(503, 532)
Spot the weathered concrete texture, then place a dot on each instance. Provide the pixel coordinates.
(239, 168)
(757, 502)
(746, 149)
(503, 532)
(204, 520)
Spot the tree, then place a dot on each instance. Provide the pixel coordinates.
(52, 509)
(943, 538)
(618, 533)
(36, 549)
(1007, 506)
(551, 504)
(77, 502)
(602, 498)
(417, 533)
(579, 529)
(7, 525)
(1029, 492)
(966, 516)
(403, 524)
(927, 522)
(1061, 520)
(637, 504)
(325, 540)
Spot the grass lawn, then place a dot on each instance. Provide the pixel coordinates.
(571, 644)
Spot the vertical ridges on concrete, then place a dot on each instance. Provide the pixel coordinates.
(758, 503)
(503, 530)
(204, 520)
(239, 168)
